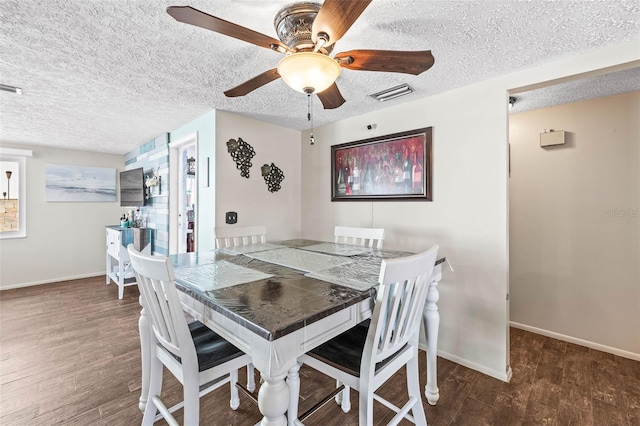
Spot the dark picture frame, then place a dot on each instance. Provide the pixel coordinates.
(395, 167)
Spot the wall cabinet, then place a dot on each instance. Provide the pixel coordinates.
(119, 268)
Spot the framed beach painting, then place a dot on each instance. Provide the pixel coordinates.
(80, 183)
(392, 167)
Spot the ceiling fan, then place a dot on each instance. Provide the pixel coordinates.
(307, 33)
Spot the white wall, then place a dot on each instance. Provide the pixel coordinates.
(255, 205)
(64, 240)
(67, 240)
(575, 222)
(467, 219)
(469, 215)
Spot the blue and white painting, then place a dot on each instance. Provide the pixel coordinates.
(79, 183)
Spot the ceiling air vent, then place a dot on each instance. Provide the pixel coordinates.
(11, 89)
(394, 92)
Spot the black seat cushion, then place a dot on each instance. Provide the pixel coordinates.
(345, 350)
(211, 348)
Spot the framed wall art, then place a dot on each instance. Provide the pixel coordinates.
(391, 167)
(79, 183)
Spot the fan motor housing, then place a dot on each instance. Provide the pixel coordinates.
(294, 24)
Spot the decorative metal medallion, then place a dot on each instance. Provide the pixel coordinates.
(293, 24)
(273, 176)
(242, 153)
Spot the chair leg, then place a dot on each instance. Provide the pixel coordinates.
(413, 388)
(251, 379)
(345, 403)
(235, 397)
(155, 388)
(191, 392)
(366, 407)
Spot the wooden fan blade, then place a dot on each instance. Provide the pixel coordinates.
(335, 17)
(254, 83)
(191, 16)
(413, 62)
(331, 98)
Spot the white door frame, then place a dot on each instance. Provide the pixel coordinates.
(174, 187)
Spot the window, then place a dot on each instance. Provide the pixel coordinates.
(13, 186)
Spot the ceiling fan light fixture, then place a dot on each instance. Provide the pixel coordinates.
(308, 70)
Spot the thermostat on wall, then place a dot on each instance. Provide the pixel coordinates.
(553, 137)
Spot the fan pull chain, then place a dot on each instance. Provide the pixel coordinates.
(310, 118)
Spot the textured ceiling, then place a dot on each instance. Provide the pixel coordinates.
(578, 90)
(109, 75)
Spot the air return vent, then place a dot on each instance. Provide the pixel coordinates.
(11, 89)
(394, 92)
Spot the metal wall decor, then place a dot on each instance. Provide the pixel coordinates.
(242, 153)
(273, 176)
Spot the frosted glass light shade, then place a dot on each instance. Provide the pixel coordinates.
(308, 70)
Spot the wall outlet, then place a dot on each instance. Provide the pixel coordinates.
(231, 217)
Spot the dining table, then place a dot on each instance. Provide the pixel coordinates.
(278, 300)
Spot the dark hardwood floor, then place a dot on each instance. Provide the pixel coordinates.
(70, 354)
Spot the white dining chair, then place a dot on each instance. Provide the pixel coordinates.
(200, 359)
(237, 236)
(366, 356)
(367, 237)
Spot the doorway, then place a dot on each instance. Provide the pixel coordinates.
(183, 195)
(571, 204)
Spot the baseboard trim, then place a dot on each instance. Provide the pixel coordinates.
(54, 280)
(504, 376)
(587, 343)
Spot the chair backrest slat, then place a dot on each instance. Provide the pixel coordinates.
(393, 300)
(161, 303)
(402, 319)
(366, 237)
(154, 301)
(400, 300)
(229, 237)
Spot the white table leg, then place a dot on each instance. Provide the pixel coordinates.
(293, 381)
(145, 354)
(431, 319)
(273, 400)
